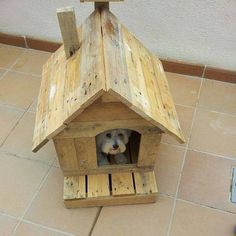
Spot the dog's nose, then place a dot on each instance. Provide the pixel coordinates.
(115, 146)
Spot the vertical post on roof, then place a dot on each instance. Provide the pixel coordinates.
(67, 23)
(101, 4)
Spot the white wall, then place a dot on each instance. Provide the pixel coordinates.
(198, 31)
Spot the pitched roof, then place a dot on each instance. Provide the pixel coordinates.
(111, 60)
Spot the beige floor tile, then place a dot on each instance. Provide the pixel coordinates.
(184, 88)
(195, 220)
(7, 225)
(18, 89)
(218, 96)
(185, 115)
(147, 219)
(26, 229)
(8, 55)
(168, 168)
(19, 141)
(206, 180)
(56, 163)
(19, 179)
(48, 209)
(2, 71)
(8, 119)
(214, 132)
(33, 106)
(31, 61)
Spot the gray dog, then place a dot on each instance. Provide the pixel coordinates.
(112, 142)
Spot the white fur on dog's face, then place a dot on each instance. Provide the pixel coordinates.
(113, 141)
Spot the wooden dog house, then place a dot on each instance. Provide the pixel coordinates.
(103, 78)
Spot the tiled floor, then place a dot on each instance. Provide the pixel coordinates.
(193, 179)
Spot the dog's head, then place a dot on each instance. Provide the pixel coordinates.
(113, 141)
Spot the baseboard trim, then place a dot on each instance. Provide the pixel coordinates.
(174, 66)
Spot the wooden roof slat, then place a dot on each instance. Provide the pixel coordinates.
(128, 80)
(69, 86)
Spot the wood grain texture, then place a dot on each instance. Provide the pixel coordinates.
(66, 153)
(148, 151)
(86, 153)
(110, 60)
(136, 77)
(98, 185)
(74, 187)
(67, 22)
(98, 189)
(111, 201)
(69, 86)
(145, 182)
(122, 184)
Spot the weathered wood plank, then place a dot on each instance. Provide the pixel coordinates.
(122, 184)
(106, 111)
(109, 169)
(91, 129)
(148, 149)
(109, 201)
(69, 86)
(86, 153)
(85, 78)
(74, 187)
(117, 79)
(98, 185)
(67, 22)
(66, 153)
(145, 182)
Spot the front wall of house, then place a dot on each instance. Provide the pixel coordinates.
(76, 145)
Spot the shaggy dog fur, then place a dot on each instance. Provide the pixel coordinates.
(112, 142)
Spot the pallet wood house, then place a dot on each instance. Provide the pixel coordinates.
(103, 78)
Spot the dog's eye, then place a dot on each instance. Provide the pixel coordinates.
(120, 135)
(108, 135)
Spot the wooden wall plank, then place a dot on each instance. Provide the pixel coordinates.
(148, 149)
(145, 182)
(74, 187)
(67, 22)
(122, 184)
(98, 185)
(86, 153)
(66, 153)
(91, 129)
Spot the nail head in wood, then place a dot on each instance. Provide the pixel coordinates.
(67, 23)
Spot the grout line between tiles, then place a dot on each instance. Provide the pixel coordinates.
(26, 158)
(182, 167)
(46, 227)
(25, 73)
(215, 155)
(32, 199)
(12, 107)
(218, 112)
(14, 63)
(206, 206)
(95, 221)
(9, 216)
(18, 121)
